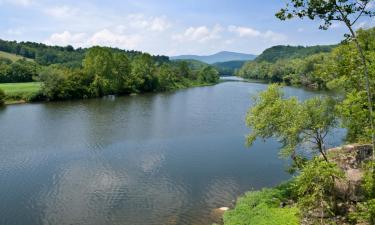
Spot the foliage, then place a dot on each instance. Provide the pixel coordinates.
(366, 210)
(63, 83)
(343, 73)
(2, 97)
(67, 56)
(314, 186)
(292, 71)
(108, 72)
(348, 11)
(279, 52)
(292, 122)
(12, 57)
(263, 208)
(19, 71)
(208, 74)
(229, 68)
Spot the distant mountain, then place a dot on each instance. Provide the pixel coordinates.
(218, 57)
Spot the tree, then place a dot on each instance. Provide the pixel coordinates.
(99, 65)
(2, 97)
(348, 12)
(142, 74)
(121, 73)
(208, 74)
(184, 69)
(166, 78)
(315, 187)
(292, 122)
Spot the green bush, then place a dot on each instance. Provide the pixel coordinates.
(263, 208)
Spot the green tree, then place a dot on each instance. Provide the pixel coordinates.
(348, 12)
(292, 122)
(121, 73)
(142, 74)
(184, 69)
(208, 74)
(315, 187)
(2, 97)
(99, 65)
(166, 78)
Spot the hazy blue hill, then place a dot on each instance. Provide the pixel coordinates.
(223, 56)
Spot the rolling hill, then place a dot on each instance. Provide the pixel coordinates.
(223, 56)
(12, 57)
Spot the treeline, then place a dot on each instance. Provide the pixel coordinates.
(68, 73)
(68, 56)
(19, 71)
(108, 72)
(293, 65)
(229, 68)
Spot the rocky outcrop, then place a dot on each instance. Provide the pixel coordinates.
(350, 158)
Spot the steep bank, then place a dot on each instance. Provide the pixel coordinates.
(280, 205)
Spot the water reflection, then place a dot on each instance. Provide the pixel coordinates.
(168, 158)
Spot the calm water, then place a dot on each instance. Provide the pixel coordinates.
(160, 159)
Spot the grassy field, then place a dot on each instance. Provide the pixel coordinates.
(12, 57)
(20, 88)
(20, 92)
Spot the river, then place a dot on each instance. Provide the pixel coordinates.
(152, 159)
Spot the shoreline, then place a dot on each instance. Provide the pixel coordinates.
(22, 101)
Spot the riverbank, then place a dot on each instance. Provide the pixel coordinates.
(282, 206)
(22, 93)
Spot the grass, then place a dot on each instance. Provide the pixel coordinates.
(20, 92)
(12, 57)
(263, 208)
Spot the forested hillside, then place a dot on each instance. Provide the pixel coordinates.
(292, 65)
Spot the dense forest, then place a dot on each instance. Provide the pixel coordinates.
(292, 65)
(68, 73)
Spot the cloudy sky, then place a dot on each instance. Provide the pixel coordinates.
(169, 27)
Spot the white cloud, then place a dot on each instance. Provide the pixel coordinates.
(273, 36)
(67, 38)
(199, 34)
(103, 38)
(159, 24)
(248, 32)
(108, 38)
(139, 21)
(244, 31)
(61, 12)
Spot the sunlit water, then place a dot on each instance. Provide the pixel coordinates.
(168, 158)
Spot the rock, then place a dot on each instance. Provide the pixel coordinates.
(224, 209)
(350, 159)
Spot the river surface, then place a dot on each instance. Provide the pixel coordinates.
(153, 159)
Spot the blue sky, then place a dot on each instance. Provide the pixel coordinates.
(169, 27)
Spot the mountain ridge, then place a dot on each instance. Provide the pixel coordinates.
(223, 56)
